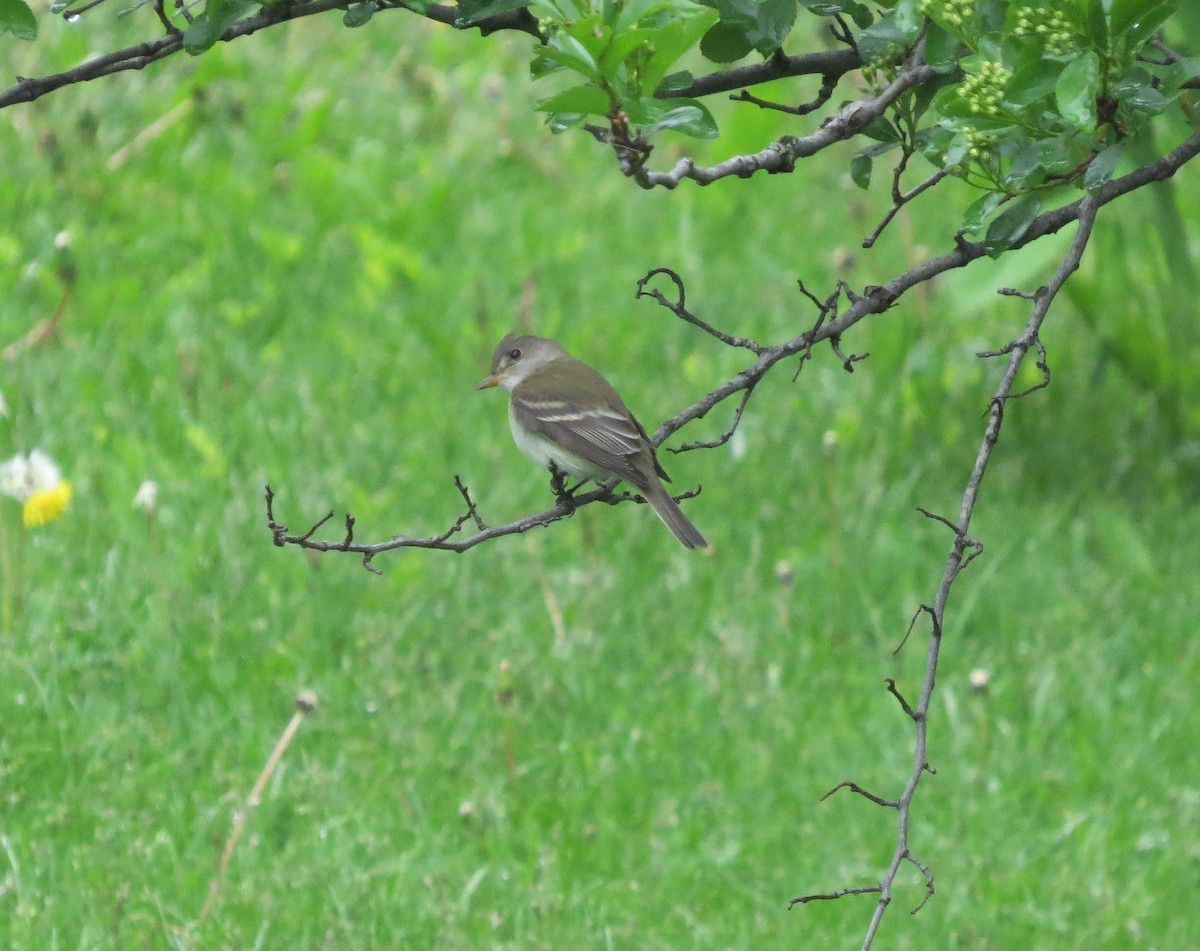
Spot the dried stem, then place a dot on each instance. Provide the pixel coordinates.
(305, 703)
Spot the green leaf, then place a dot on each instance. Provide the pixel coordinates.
(860, 13)
(218, 16)
(881, 131)
(1129, 13)
(619, 49)
(676, 81)
(1076, 90)
(1147, 25)
(587, 99)
(1011, 224)
(1096, 22)
(979, 212)
(688, 116)
(559, 122)
(671, 41)
(473, 12)
(860, 170)
(16, 18)
(725, 43)
(567, 51)
(1102, 167)
(1145, 99)
(775, 20)
(359, 14)
(1026, 171)
(692, 119)
(1032, 82)
(941, 48)
(1061, 153)
(887, 36)
(824, 8)
(635, 11)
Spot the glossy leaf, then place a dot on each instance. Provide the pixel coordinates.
(980, 210)
(692, 119)
(675, 81)
(1127, 14)
(567, 51)
(635, 11)
(1077, 88)
(359, 14)
(1102, 167)
(1011, 224)
(559, 122)
(474, 12)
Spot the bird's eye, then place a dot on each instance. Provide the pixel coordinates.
(514, 354)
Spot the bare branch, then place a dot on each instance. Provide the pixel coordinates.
(830, 325)
(895, 691)
(955, 562)
(825, 63)
(679, 309)
(782, 155)
(143, 54)
(856, 788)
(899, 200)
(824, 94)
(725, 436)
(834, 896)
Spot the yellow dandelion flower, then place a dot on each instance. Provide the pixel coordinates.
(45, 505)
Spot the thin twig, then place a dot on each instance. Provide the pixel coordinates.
(899, 200)
(828, 86)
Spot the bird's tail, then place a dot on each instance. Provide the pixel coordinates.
(666, 508)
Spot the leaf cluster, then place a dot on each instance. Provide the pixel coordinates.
(1030, 96)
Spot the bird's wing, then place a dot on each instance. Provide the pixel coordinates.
(607, 437)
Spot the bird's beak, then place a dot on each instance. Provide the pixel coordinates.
(489, 381)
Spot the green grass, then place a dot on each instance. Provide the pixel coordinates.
(299, 281)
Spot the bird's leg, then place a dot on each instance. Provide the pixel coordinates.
(558, 485)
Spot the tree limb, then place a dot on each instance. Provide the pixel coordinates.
(829, 327)
(143, 54)
(782, 155)
(956, 561)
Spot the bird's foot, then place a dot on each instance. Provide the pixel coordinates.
(562, 492)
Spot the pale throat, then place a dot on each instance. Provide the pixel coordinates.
(542, 452)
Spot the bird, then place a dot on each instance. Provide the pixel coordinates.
(567, 418)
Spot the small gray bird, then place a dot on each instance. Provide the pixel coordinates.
(566, 415)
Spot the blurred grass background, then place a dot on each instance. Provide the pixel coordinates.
(294, 257)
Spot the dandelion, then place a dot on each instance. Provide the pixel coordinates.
(37, 483)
